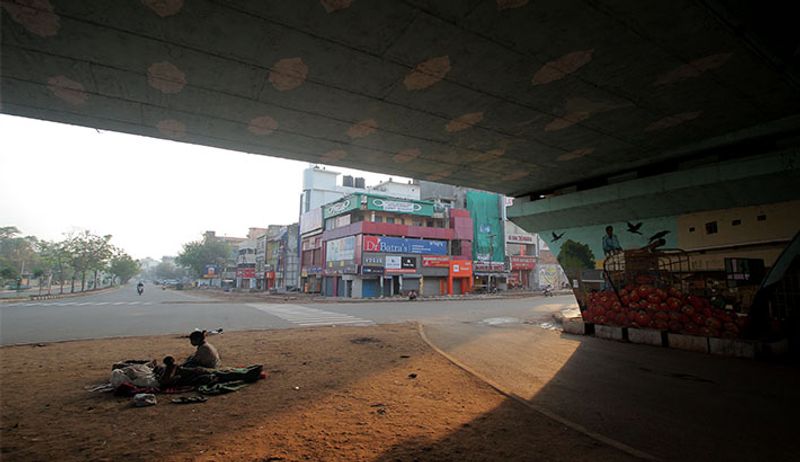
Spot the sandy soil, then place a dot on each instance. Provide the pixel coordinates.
(355, 402)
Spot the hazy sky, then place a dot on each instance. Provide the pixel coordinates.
(152, 195)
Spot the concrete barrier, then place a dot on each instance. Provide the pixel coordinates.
(609, 332)
(688, 342)
(731, 347)
(645, 336)
(574, 326)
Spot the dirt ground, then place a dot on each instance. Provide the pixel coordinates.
(332, 394)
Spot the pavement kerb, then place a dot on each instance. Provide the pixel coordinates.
(54, 296)
(566, 422)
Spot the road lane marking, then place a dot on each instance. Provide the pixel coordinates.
(305, 316)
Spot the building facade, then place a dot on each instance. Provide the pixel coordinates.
(376, 246)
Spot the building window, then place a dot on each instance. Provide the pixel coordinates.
(711, 228)
(691, 229)
(736, 222)
(389, 220)
(430, 224)
(761, 217)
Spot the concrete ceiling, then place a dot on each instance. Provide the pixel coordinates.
(514, 96)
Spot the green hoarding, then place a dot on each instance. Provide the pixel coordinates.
(386, 204)
(488, 243)
(345, 205)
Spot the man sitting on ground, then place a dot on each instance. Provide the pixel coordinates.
(206, 355)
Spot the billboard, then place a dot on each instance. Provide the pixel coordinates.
(341, 250)
(210, 271)
(311, 221)
(402, 245)
(384, 204)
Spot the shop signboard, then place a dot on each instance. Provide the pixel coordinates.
(461, 268)
(384, 204)
(371, 270)
(522, 262)
(520, 238)
(402, 245)
(399, 264)
(372, 260)
(436, 261)
(393, 262)
(491, 267)
(337, 208)
(246, 273)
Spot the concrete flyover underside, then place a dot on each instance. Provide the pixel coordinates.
(512, 96)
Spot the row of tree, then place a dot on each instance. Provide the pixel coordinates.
(80, 256)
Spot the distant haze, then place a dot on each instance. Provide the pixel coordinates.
(152, 195)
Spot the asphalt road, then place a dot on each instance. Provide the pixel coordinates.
(122, 312)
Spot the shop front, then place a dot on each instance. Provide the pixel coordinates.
(459, 279)
(489, 276)
(521, 275)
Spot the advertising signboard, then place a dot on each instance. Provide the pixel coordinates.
(341, 250)
(395, 205)
(522, 262)
(436, 261)
(210, 271)
(402, 245)
(311, 221)
(344, 205)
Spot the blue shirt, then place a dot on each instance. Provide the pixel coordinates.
(611, 244)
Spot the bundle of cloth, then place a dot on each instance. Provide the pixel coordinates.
(201, 371)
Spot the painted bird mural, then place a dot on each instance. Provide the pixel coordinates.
(557, 236)
(634, 229)
(658, 235)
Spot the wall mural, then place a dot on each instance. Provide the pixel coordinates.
(632, 234)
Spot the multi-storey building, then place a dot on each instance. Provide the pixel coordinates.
(374, 245)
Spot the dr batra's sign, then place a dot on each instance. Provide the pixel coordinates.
(401, 245)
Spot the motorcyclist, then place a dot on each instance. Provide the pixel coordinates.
(140, 287)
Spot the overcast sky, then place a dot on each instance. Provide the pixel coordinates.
(152, 195)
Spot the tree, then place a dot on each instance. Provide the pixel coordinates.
(88, 252)
(56, 255)
(197, 254)
(122, 266)
(18, 255)
(575, 256)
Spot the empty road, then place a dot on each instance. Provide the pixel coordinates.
(122, 312)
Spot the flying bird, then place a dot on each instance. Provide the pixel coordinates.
(658, 235)
(557, 236)
(634, 228)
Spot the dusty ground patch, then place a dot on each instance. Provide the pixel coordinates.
(356, 401)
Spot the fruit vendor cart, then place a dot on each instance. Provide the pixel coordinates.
(656, 289)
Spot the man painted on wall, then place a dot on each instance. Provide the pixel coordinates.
(610, 242)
